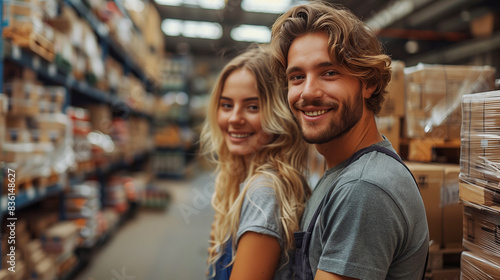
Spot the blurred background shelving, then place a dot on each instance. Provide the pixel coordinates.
(103, 100)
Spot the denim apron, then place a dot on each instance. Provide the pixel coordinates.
(302, 269)
(222, 267)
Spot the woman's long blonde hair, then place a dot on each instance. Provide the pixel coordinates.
(282, 161)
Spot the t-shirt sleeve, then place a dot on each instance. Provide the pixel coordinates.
(361, 225)
(260, 211)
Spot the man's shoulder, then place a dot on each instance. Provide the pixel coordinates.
(378, 169)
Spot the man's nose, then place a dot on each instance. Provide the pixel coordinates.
(311, 89)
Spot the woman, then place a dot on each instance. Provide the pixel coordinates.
(260, 189)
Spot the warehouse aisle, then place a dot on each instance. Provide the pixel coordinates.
(170, 244)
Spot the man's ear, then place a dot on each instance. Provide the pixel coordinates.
(368, 91)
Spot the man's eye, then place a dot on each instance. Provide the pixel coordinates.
(296, 77)
(330, 73)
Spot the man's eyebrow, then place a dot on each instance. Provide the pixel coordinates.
(325, 64)
(293, 69)
(319, 65)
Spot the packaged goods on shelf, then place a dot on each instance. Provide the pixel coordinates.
(394, 103)
(155, 198)
(20, 16)
(140, 139)
(475, 267)
(40, 265)
(81, 145)
(116, 196)
(438, 184)
(82, 204)
(64, 52)
(481, 226)
(434, 94)
(480, 153)
(170, 162)
(60, 240)
(40, 221)
(101, 117)
(114, 73)
(23, 97)
(111, 219)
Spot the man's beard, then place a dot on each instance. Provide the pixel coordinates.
(350, 114)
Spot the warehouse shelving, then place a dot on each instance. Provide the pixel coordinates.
(76, 91)
(50, 73)
(108, 45)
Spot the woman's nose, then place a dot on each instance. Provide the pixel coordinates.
(237, 117)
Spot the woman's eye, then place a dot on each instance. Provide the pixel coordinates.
(253, 107)
(225, 106)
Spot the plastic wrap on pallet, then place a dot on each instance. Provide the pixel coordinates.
(433, 97)
(482, 230)
(474, 267)
(480, 139)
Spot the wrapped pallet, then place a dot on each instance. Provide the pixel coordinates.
(433, 97)
(480, 139)
(481, 229)
(474, 267)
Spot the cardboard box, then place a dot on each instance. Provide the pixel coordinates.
(390, 127)
(394, 104)
(478, 194)
(452, 209)
(475, 267)
(434, 94)
(23, 98)
(6, 274)
(100, 117)
(482, 230)
(438, 184)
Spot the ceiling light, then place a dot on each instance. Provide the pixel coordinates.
(169, 2)
(205, 4)
(265, 6)
(251, 33)
(411, 46)
(192, 29)
(134, 5)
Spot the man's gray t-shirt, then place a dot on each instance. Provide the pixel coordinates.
(260, 213)
(373, 225)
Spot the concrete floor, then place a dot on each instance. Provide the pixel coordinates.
(170, 244)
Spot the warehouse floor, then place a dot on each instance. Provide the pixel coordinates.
(170, 244)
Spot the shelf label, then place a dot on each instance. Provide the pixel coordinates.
(42, 191)
(16, 52)
(52, 70)
(3, 201)
(30, 193)
(36, 63)
(69, 80)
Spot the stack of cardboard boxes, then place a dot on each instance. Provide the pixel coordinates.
(421, 114)
(479, 185)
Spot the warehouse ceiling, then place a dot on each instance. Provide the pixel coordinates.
(438, 31)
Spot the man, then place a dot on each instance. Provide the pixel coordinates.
(371, 223)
